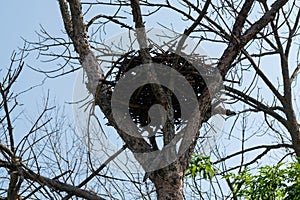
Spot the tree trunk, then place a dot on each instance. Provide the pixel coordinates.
(168, 184)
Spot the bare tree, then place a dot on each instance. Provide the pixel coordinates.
(168, 183)
(247, 33)
(21, 161)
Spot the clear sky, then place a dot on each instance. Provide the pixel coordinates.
(22, 19)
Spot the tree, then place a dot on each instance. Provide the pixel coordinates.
(20, 159)
(246, 31)
(168, 182)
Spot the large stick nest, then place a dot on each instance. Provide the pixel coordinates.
(143, 98)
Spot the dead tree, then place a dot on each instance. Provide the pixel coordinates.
(167, 180)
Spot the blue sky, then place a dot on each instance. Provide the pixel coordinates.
(22, 19)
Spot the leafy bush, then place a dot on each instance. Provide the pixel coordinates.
(281, 181)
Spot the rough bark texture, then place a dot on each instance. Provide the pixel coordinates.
(169, 182)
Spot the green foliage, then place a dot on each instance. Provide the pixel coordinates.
(201, 166)
(281, 181)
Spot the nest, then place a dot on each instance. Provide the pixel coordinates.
(143, 98)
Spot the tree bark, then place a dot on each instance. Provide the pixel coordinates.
(169, 182)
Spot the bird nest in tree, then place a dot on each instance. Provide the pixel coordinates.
(143, 98)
